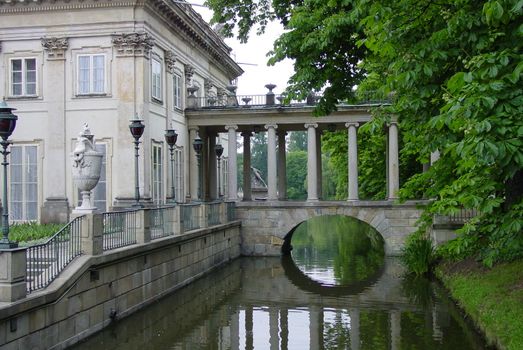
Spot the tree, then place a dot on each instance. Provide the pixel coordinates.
(455, 67)
(297, 141)
(296, 175)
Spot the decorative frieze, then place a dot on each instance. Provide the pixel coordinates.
(133, 44)
(55, 47)
(170, 61)
(189, 72)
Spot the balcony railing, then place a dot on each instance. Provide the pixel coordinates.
(213, 213)
(162, 222)
(190, 216)
(45, 261)
(248, 101)
(119, 229)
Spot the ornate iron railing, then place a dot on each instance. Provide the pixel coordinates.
(119, 229)
(458, 218)
(213, 213)
(162, 222)
(45, 261)
(191, 216)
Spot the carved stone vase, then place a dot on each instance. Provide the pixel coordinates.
(87, 165)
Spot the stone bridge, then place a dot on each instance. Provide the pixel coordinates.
(267, 226)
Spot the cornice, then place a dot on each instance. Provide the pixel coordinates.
(9, 6)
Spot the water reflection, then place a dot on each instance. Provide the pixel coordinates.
(337, 250)
(269, 303)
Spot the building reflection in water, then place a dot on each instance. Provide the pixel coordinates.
(273, 303)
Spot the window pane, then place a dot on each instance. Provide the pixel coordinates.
(17, 77)
(16, 65)
(32, 211)
(98, 73)
(83, 74)
(30, 64)
(31, 89)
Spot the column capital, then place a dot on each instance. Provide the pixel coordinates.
(170, 61)
(354, 124)
(133, 44)
(228, 127)
(392, 122)
(193, 128)
(311, 125)
(55, 47)
(271, 126)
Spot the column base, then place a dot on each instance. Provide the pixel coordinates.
(55, 211)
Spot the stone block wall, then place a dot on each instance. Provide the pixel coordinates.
(97, 290)
(265, 225)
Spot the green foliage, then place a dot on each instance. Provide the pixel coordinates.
(418, 254)
(297, 141)
(455, 68)
(32, 231)
(296, 175)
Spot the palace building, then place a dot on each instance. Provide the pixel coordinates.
(64, 63)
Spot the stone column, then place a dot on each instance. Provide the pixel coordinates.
(233, 163)
(434, 156)
(354, 329)
(393, 168)
(213, 169)
(193, 165)
(353, 161)
(170, 62)
(55, 209)
(319, 171)
(249, 335)
(282, 166)
(395, 330)
(312, 163)
(204, 171)
(247, 190)
(274, 339)
(13, 274)
(271, 162)
(315, 327)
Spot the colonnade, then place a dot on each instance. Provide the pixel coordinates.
(279, 328)
(276, 163)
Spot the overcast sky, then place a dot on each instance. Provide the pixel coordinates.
(252, 82)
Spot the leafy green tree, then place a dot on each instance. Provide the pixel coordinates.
(259, 153)
(297, 141)
(296, 175)
(455, 68)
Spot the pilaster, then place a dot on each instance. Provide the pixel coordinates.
(55, 209)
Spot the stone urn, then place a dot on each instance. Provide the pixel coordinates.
(87, 165)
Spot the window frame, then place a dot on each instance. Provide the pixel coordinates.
(24, 76)
(157, 173)
(23, 182)
(91, 74)
(177, 91)
(156, 83)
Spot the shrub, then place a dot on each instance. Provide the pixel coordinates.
(32, 231)
(418, 254)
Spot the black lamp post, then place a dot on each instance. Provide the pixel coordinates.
(136, 128)
(170, 137)
(7, 126)
(198, 146)
(218, 149)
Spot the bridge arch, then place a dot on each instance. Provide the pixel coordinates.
(266, 224)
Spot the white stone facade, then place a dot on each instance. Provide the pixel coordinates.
(66, 63)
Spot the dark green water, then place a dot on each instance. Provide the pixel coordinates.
(337, 291)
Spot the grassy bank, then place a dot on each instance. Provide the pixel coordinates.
(493, 298)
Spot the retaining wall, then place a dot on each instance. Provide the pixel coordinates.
(97, 290)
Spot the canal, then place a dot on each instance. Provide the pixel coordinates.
(335, 291)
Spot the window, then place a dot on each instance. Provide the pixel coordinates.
(178, 175)
(23, 77)
(23, 187)
(156, 176)
(99, 193)
(177, 91)
(91, 74)
(156, 79)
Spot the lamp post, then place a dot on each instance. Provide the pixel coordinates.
(198, 145)
(170, 137)
(136, 127)
(7, 126)
(218, 149)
